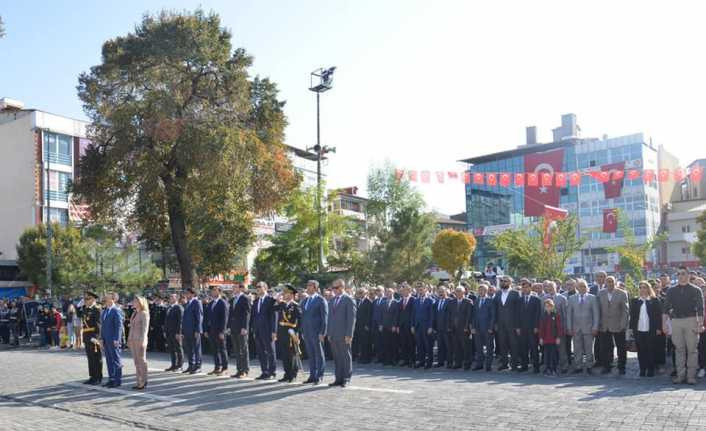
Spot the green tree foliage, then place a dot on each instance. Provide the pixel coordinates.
(631, 255)
(294, 253)
(699, 247)
(452, 251)
(527, 255)
(2, 28)
(71, 261)
(186, 145)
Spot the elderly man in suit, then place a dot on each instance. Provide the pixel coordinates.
(614, 322)
(583, 318)
(483, 323)
(192, 328)
(422, 328)
(406, 323)
(239, 324)
(264, 321)
(366, 322)
(112, 335)
(314, 323)
(460, 318)
(217, 325)
(341, 321)
(172, 328)
(560, 305)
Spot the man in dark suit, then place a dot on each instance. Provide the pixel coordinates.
(530, 314)
(363, 337)
(442, 328)
(265, 326)
(423, 327)
(406, 334)
(172, 328)
(192, 327)
(217, 324)
(483, 324)
(390, 328)
(460, 318)
(341, 321)
(314, 326)
(507, 328)
(378, 301)
(239, 323)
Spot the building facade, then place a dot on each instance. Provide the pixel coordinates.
(492, 209)
(40, 155)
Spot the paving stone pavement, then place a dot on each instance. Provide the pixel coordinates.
(41, 389)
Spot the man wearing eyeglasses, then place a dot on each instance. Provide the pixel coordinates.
(684, 303)
(341, 321)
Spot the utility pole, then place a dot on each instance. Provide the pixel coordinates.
(48, 216)
(321, 81)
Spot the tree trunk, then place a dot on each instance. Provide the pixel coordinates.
(177, 226)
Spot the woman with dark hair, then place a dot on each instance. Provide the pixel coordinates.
(646, 326)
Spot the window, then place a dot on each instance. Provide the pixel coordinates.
(57, 215)
(58, 183)
(683, 250)
(57, 148)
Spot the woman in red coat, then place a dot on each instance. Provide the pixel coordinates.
(551, 331)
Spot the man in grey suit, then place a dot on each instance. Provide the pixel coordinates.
(582, 323)
(560, 305)
(615, 316)
(341, 321)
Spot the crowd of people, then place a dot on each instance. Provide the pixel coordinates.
(499, 324)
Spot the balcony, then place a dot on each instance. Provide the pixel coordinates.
(56, 196)
(58, 158)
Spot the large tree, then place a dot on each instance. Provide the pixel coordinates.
(185, 144)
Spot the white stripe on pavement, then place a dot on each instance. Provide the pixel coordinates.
(147, 395)
(391, 391)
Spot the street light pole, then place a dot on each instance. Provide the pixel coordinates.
(321, 80)
(48, 216)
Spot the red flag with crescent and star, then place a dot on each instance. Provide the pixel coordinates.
(614, 186)
(537, 164)
(610, 220)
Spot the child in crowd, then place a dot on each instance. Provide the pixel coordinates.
(551, 332)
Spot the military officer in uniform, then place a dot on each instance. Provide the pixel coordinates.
(288, 333)
(91, 336)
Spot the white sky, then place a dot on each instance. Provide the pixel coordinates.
(423, 83)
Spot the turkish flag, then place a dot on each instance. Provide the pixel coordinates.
(633, 174)
(697, 172)
(452, 175)
(477, 178)
(613, 187)
(648, 175)
(412, 175)
(399, 174)
(610, 220)
(426, 176)
(575, 178)
(505, 179)
(537, 197)
(663, 175)
(560, 178)
(519, 180)
(678, 174)
(554, 213)
(547, 179)
(600, 176)
(492, 179)
(532, 179)
(440, 176)
(467, 178)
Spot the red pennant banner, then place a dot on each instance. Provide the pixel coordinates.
(491, 179)
(478, 178)
(426, 176)
(560, 179)
(452, 175)
(440, 176)
(547, 179)
(600, 176)
(399, 174)
(696, 174)
(678, 174)
(519, 180)
(505, 179)
(633, 174)
(575, 179)
(412, 175)
(467, 178)
(554, 213)
(663, 175)
(532, 179)
(648, 175)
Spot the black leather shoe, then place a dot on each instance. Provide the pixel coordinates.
(187, 371)
(195, 371)
(172, 368)
(309, 380)
(316, 382)
(261, 377)
(605, 371)
(335, 384)
(477, 367)
(621, 372)
(343, 384)
(503, 367)
(89, 382)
